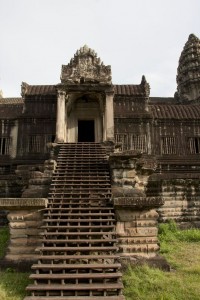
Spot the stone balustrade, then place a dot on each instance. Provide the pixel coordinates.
(137, 225)
(136, 215)
(25, 217)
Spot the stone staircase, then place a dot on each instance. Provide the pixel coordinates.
(77, 259)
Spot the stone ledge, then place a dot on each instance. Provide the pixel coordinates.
(138, 202)
(22, 203)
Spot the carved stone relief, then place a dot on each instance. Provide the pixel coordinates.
(86, 67)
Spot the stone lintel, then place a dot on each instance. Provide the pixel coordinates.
(22, 203)
(86, 87)
(138, 202)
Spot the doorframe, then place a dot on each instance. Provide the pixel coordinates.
(88, 119)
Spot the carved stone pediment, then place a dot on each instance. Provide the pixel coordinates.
(86, 67)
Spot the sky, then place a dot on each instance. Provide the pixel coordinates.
(135, 37)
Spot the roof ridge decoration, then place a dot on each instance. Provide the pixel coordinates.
(188, 72)
(145, 85)
(86, 67)
(24, 88)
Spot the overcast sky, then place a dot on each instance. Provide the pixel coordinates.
(135, 37)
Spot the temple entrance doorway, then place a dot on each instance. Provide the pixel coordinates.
(86, 131)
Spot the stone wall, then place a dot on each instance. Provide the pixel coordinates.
(136, 214)
(182, 201)
(25, 219)
(25, 214)
(137, 226)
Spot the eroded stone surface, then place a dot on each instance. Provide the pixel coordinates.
(25, 218)
(135, 212)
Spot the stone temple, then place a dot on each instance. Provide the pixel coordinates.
(88, 168)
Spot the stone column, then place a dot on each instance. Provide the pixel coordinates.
(14, 136)
(109, 117)
(61, 118)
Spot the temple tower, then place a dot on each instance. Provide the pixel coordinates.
(85, 100)
(188, 73)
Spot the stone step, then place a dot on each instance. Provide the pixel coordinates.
(83, 181)
(82, 220)
(78, 257)
(118, 297)
(86, 267)
(76, 276)
(81, 191)
(75, 287)
(78, 227)
(84, 210)
(79, 159)
(75, 266)
(80, 214)
(77, 248)
(78, 241)
(85, 234)
(65, 183)
(81, 174)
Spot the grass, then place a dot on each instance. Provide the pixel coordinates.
(4, 236)
(181, 249)
(12, 284)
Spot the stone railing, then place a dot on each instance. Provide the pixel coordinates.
(137, 225)
(25, 217)
(136, 214)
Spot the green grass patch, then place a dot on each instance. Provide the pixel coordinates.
(169, 232)
(13, 285)
(143, 283)
(4, 237)
(182, 251)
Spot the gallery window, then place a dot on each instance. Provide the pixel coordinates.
(34, 143)
(138, 142)
(38, 143)
(123, 140)
(5, 145)
(194, 145)
(169, 145)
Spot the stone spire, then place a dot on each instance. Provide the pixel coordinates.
(1, 94)
(188, 72)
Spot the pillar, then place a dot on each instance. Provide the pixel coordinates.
(109, 117)
(61, 118)
(14, 136)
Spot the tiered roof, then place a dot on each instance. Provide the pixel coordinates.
(11, 108)
(188, 73)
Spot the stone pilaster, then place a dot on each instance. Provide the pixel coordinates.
(109, 117)
(14, 136)
(61, 118)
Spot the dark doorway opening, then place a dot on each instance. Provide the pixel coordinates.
(86, 131)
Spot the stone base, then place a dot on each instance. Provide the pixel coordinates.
(25, 216)
(137, 226)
